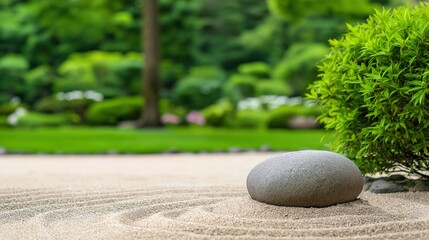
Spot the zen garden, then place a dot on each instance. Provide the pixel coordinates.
(201, 119)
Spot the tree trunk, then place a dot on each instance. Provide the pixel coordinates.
(150, 73)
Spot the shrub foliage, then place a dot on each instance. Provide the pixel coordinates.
(34, 119)
(200, 88)
(217, 114)
(373, 91)
(280, 117)
(113, 111)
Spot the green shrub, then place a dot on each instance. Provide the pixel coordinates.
(217, 114)
(33, 119)
(201, 88)
(170, 72)
(298, 67)
(3, 121)
(113, 74)
(49, 105)
(273, 87)
(7, 109)
(113, 111)
(240, 87)
(280, 117)
(249, 119)
(78, 106)
(166, 106)
(39, 82)
(257, 69)
(12, 71)
(53, 105)
(373, 91)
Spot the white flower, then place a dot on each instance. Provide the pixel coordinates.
(249, 103)
(13, 118)
(74, 95)
(93, 95)
(272, 102)
(79, 95)
(21, 112)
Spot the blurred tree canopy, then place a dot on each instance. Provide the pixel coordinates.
(50, 46)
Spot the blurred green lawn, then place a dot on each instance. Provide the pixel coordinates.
(103, 140)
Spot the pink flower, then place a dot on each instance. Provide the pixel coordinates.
(169, 118)
(195, 118)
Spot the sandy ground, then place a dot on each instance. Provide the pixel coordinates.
(180, 197)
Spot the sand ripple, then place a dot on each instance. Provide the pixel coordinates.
(200, 213)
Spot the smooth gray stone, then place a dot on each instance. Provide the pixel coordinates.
(383, 186)
(305, 179)
(234, 150)
(265, 148)
(421, 186)
(172, 150)
(112, 152)
(396, 177)
(367, 179)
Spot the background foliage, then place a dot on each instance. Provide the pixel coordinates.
(213, 52)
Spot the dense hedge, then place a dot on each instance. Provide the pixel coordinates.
(33, 119)
(240, 87)
(200, 88)
(3, 121)
(281, 117)
(53, 105)
(273, 87)
(6, 109)
(111, 112)
(249, 119)
(373, 91)
(217, 114)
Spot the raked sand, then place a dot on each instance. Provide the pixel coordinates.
(180, 197)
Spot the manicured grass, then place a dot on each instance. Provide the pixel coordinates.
(102, 140)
